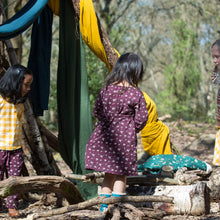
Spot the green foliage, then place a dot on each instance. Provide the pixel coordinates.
(182, 77)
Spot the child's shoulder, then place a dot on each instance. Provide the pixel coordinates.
(136, 90)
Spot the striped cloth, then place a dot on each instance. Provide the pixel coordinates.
(10, 125)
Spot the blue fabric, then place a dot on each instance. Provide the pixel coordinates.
(155, 163)
(39, 61)
(22, 20)
(104, 206)
(117, 195)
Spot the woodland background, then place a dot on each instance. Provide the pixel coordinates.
(173, 38)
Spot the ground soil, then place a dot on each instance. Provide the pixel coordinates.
(192, 139)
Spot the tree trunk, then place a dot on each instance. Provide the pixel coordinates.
(42, 161)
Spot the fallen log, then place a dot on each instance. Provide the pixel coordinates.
(188, 199)
(55, 184)
(214, 185)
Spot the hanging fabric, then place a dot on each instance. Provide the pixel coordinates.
(74, 114)
(22, 19)
(39, 61)
(90, 31)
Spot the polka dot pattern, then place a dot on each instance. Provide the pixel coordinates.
(121, 113)
(11, 161)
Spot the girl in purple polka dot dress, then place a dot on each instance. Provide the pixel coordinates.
(121, 112)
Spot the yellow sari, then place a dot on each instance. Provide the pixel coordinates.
(155, 135)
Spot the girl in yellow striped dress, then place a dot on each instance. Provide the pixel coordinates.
(14, 88)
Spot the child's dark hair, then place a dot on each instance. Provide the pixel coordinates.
(11, 83)
(217, 43)
(128, 67)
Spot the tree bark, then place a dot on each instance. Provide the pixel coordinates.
(214, 185)
(190, 199)
(43, 163)
(55, 184)
(51, 138)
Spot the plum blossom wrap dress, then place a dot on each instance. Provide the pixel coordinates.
(112, 147)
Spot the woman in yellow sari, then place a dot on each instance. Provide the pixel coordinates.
(155, 135)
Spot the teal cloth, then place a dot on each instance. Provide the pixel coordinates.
(155, 163)
(22, 19)
(74, 113)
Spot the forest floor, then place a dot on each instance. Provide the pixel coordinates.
(191, 139)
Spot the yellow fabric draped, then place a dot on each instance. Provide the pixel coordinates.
(90, 31)
(88, 28)
(155, 135)
(55, 6)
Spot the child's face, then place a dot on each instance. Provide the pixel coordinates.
(216, 56)
(26, 86)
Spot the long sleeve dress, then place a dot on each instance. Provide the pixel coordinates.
(121, 113)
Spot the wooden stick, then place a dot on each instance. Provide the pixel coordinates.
(99, 200)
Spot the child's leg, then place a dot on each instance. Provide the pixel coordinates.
(108, 182)
(107, 187)
(120, 184)
(14, 169)
(2, 168)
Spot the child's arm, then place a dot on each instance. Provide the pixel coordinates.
(141, 114)
(98, 108)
